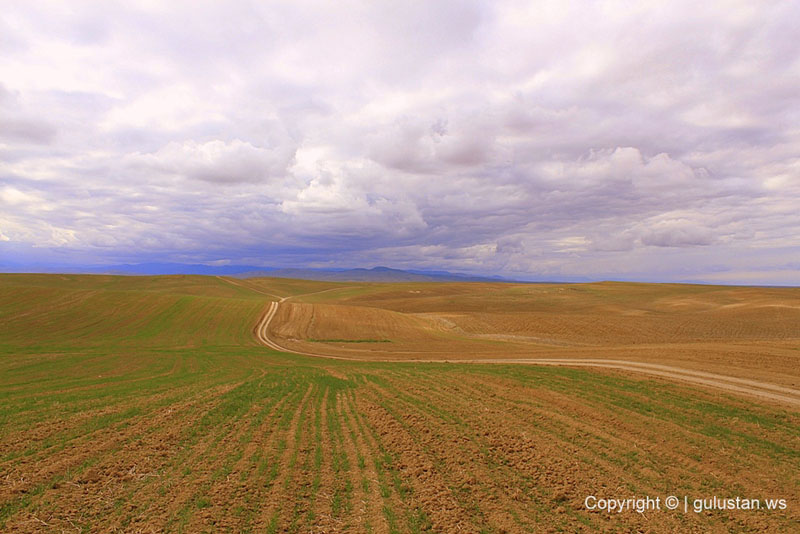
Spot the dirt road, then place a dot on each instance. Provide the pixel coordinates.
(731, 384)
(239, 284)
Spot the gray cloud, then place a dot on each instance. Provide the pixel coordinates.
(17, 126)
(26, 130)
(658, 141)
(680, 233)
(220, 162)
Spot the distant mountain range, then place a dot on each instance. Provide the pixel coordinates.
(176, 268)
(376, 274)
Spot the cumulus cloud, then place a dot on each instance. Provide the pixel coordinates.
(546, 139)
(678, 233)
(220, 162)
(432, 146)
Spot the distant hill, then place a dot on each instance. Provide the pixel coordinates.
(130, 269)
(176, 268)
(376, 274)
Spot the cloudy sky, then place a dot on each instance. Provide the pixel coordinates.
(623, 140)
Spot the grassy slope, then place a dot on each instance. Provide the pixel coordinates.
(120, 417)
(48, 312)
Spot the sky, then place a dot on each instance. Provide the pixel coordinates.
(653, 141)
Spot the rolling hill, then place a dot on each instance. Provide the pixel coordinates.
(146, 404)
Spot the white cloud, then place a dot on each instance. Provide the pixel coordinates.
(220, 162)
(546, 137)
(12, 196)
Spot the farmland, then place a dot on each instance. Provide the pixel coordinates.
(147, 404)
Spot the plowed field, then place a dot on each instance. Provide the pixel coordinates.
(147, 405)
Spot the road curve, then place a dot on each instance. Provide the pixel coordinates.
(731, 384)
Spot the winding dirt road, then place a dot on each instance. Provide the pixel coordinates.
(731, 384)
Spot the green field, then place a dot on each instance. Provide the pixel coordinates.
(142, 404)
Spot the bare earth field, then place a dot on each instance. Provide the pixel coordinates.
(152, 404)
